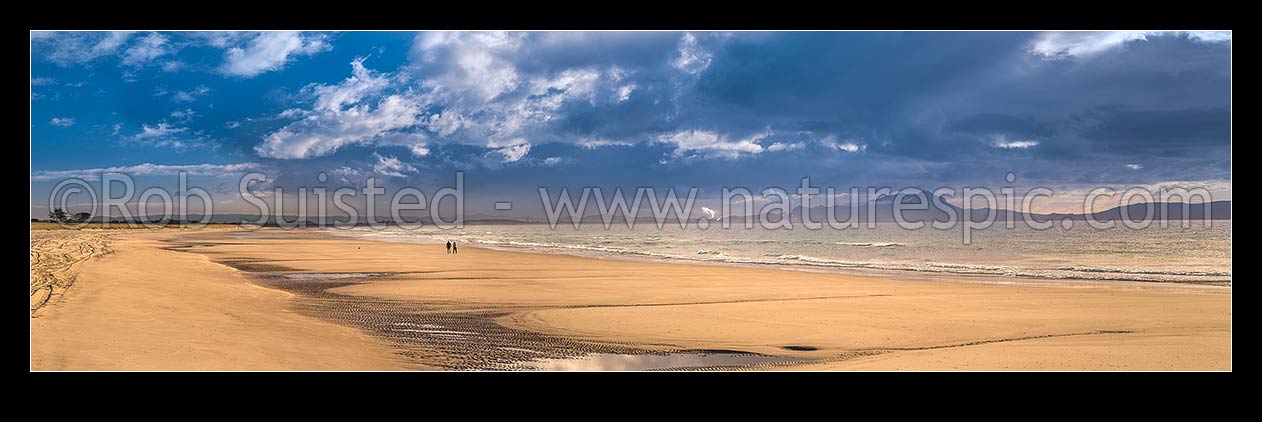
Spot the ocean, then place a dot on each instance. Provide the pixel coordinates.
(1197, 254)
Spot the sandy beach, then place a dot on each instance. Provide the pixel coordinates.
(143, 306)
(301, 300)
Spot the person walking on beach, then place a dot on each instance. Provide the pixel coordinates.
(454, 249)
(448, 246)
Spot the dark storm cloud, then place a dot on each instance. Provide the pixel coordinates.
(921, 107)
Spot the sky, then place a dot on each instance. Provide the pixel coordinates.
(516, 111)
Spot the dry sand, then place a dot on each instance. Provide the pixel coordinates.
(340, 303)
(56, 256)
(143, 307)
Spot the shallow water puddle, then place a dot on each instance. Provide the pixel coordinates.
(328, 276)
(191, 246)
(437, 330)
(645, 362)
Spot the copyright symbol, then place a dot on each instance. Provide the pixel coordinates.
(60, 196)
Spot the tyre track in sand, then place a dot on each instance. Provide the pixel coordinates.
(55, 259)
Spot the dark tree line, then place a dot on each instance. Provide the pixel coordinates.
(61, 216)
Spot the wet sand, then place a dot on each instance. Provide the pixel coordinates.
(272, 299)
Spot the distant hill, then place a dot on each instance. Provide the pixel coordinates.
(883, 211)
(1218, 210)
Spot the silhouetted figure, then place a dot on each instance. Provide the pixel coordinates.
(448, 246)
(453, 248)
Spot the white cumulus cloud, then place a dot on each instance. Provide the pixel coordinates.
(191, 95)
(593, 143)
(475, 62)
(446, 123)
(852, 147)
(1060, 45)
(361, 83)
(391, 166)
(1016, 144)
(161, 130)
(67, 48)
(782, 146)
(165, 135)
(692, 58)
(344, 114)
(270, 51)
(511, 150)
(419, 150)
(148, 169)
(146, 49)
(624, 93)
(710, 144)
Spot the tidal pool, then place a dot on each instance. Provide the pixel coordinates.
(646, 362)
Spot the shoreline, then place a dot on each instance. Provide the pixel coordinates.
(508, 310)
(845, 270)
